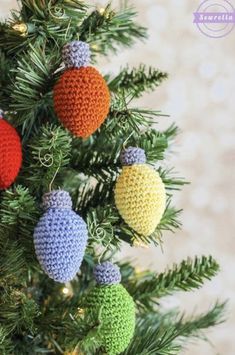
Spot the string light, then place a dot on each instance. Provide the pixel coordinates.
(65, 291)
(22, 28)
(102, 10)
(74, 352)
(80, 311)
(95, 47)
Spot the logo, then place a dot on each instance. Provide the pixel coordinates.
(215, 19)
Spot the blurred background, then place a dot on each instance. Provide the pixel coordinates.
(199, 97)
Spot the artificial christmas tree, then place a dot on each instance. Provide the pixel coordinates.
(37, 314)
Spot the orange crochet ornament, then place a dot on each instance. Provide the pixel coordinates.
(81, 96)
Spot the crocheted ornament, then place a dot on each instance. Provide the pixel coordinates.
(110, 305)
(60, 237)
(10, 154)
(81, 96)
(140, 194)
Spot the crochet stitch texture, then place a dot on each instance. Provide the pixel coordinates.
(10, 154)
(56, 199)
(76, 54)
(60, 238)
(114, 309)
(140, 198)
(107, 274)
(133, 155)
(81, 100)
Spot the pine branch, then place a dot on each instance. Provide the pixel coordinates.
(58, 10)
(136, 81)
(12, 258)
(31, 91)
(169, 222)
(171, 181)
(18, 217)
(194, 326)
(106, 30)
(17, 312)
(100, 223)
(93, 160)
(124, 120)
(5, 79)
(6, 346)
(90, 157)
(49, 155)
(47, 22)
(189, 275)
(153, 142)
(155, 335)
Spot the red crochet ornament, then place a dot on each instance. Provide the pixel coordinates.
(81, 96)
(10, 154)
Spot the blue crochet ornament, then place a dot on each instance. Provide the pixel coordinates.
(60, 237)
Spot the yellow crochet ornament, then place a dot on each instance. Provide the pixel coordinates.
(139, 193)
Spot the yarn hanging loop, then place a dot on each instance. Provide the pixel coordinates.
(99, 234)
(126, 140)
(47, 160)
(53, 179)
(58, 12)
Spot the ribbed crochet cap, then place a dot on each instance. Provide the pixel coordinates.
(132, 155)
(56, 199)
(76, 54)
(107, 274)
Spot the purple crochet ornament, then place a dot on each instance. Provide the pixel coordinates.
(60, 237)
(107, 273)
(132, 155)
(76, 54)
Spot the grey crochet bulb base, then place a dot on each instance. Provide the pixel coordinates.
(56, 199)
(107, 274)
(76, 54)
(132, 155)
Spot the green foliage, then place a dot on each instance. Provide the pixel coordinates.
(4, 81)
(168, 334)
(154, 143)
(137, 80)
(124, 120)
(106, 30)
(100, 222)
(6, 346)
(148, 287)
(19, 313)
(169, 222)
(49, 154)
(31, 93)
(18, 217)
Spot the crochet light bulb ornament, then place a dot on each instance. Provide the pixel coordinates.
(60, 237)
(81, 96)
(140, 194)
(110, 305)
(10, 154)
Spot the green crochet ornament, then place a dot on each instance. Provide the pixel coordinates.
(110, 305)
